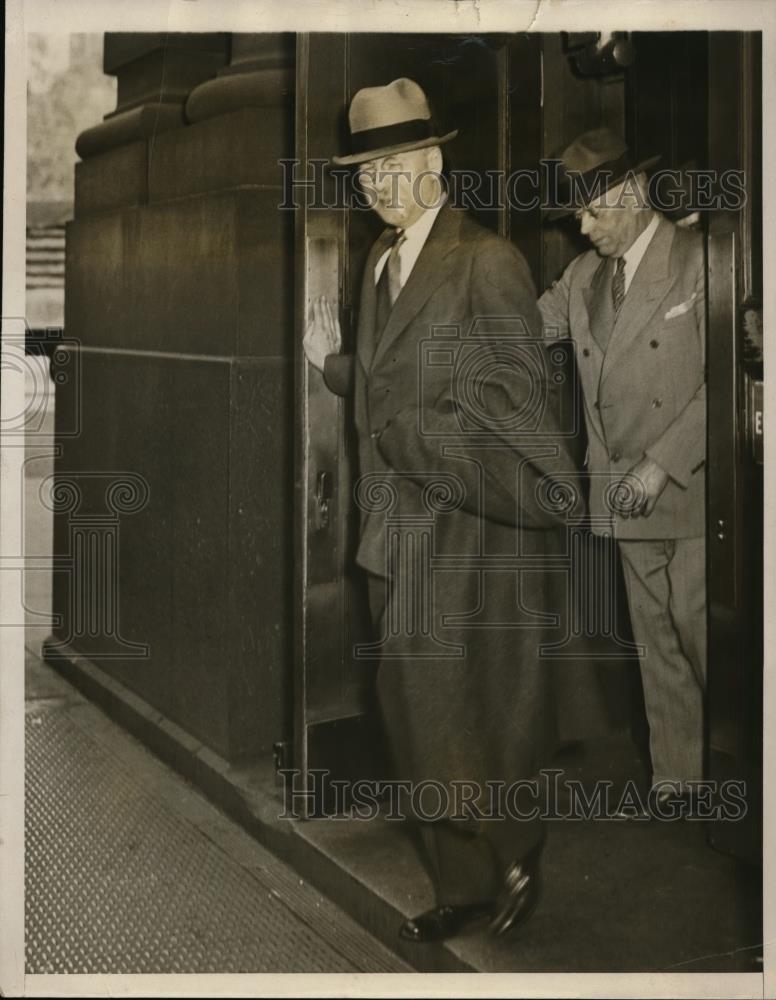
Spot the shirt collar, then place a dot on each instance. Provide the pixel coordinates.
(420, 228)
(637, 249)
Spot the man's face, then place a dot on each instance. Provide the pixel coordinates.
(401, 186)
(613, 221)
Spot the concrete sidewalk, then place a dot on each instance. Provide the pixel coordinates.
(130, 870)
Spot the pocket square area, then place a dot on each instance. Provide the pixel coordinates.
(682, 308)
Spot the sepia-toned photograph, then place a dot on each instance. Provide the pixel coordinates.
(387, 408)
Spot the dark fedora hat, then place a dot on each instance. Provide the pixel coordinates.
(391, 119)
(592, 164)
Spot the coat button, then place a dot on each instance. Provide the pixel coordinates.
(615, 456)
(657, 402)
(586, 352)
(654, 344)
(597, 405)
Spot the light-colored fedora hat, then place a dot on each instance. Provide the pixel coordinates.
(597, 160)
(391, 119)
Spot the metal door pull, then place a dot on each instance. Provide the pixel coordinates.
(322, 495)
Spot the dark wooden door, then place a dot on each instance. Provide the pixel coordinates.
(735, 473)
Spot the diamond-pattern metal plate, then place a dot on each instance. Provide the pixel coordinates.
(116, 882)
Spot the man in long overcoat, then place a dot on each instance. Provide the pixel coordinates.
(635, 309)
(463, 466)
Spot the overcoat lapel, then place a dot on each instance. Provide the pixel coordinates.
(427, 274)
(650, 285)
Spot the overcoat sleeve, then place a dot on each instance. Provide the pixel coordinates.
(681, 448)
(339, 373)
(502, 294)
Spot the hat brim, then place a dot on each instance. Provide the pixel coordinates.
(403, 147)
(553, 214)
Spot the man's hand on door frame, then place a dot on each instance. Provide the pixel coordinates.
(323, 335)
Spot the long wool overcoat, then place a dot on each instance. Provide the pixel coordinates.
(461, 442)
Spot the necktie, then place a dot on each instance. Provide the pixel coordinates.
(393, 266)
(389, 283)
(618, 285)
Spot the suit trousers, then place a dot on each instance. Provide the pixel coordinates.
(465, 859)
(666, 584)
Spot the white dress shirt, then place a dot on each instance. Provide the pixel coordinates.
(637, 249)
(415, 237)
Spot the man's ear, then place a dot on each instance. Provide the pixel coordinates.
(434, 159)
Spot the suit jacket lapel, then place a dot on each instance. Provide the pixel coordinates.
(650, 285)
(365, 339)
(427, 274)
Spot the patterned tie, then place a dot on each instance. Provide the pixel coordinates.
(618, 284)
(393, 266)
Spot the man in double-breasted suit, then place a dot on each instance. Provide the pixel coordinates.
(635, 308)
(462, 461)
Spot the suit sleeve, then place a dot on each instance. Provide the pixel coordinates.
(681, 448)
(502, 295)
(339, 373)
(554, 306)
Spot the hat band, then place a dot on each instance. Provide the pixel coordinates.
(612, 171)
(391, 135)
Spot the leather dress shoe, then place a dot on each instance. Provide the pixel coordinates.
(443, 922)
(519, 894)
(638, 812)
(664, 805)
(686, 804)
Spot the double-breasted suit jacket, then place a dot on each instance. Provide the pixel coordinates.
(643, 381)
(491, 709)
(642, 375)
